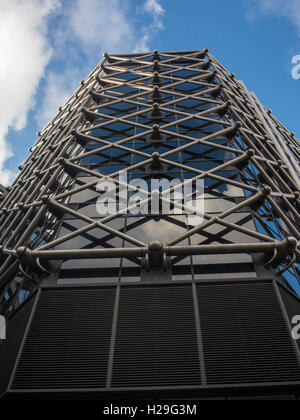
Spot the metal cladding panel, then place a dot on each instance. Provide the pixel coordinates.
(69, 340)
(156, 342)
(246, 339)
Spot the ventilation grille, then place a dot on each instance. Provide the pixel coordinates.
(156, 341)
(68, 344)
(245, 336)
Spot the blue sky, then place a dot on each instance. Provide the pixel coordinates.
(48, 46)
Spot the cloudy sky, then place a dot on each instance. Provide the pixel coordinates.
(48, 46)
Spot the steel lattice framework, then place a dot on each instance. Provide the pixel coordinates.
(176, 115)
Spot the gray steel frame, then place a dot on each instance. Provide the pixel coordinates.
(39, 196)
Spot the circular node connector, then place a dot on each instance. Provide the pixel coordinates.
(239, 124)
(269, 111)
(82, 82)
(155, 156)
(20, 251)
(292, 242)
(297, 195)
(61, 160)
(156, 54)
(267, 191)
(155, 129)
(156, 246)
(251, 152)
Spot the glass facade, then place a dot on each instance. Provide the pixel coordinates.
(155, 227)
(164, 121)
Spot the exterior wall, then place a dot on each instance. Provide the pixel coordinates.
(149, 300)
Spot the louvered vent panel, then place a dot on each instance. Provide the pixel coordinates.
(68, 343)
(245, 336)
(156, 338)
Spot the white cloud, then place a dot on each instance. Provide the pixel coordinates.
(109, 25)
(94, 27)
(155, 9)
(24, 55)
(84, 30)
(57, 90)
(102, 24)
(89, 28)
(287, 8)
(153, 6)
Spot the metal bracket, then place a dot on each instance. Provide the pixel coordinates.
(156, 114)
(279, 255)
(156, 136)
(156, 167)
(156, 95)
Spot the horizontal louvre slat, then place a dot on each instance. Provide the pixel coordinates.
(245, 336)
(156, 338)
(68, 344)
